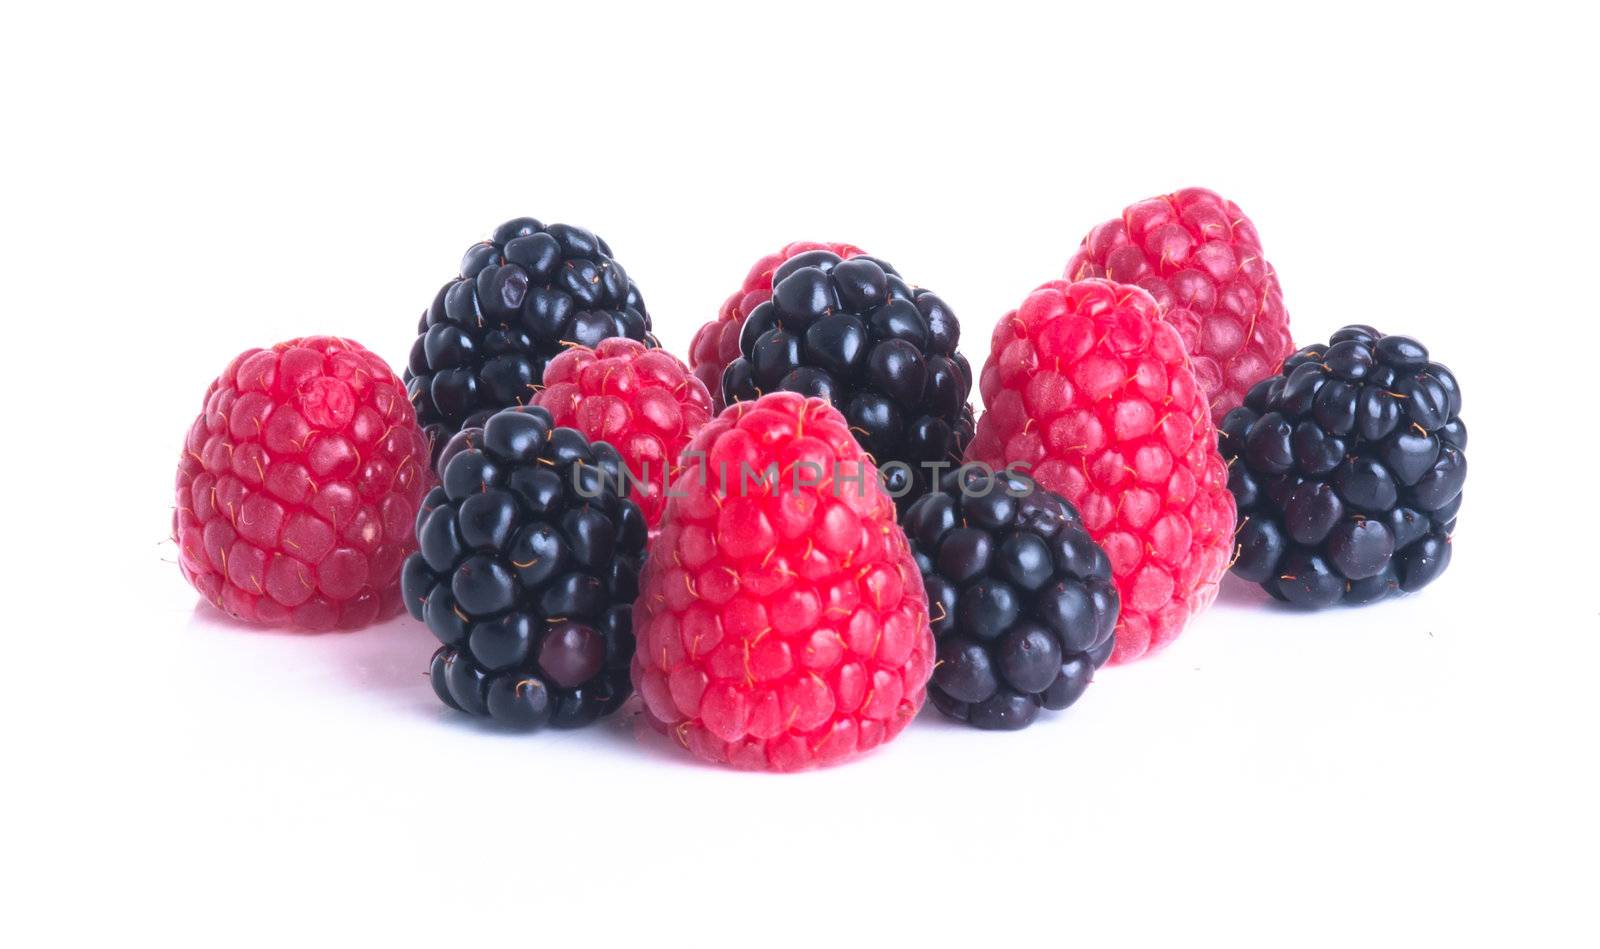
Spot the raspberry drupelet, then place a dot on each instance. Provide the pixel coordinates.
(643, 401)
(781, 619)
(298, 486)
(1200, 257)
(1090, 389)
(716, 343)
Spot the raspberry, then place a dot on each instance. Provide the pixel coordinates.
(1348, 469)
(1024, 609)
(1199, 256)
(1090, 387)
(297, 487)
(527, 572)
(643, 401)
(523, 296)
(717, 342)
(782, 623)
(883, 353)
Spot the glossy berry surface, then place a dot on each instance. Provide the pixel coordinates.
(1023, 606)
(527, 568)
(1090, 388)
(1200, 257)
(297, 487)
(884, 354)
(642, 401)
(716, 343)
(1348, 469)
(781, 618)
(523, 296)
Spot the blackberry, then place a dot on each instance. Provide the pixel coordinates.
(853, 332)
(1348, 468)
(523, 296)
(527, 571)
(1023, 606)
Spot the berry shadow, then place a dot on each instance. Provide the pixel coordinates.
(388, 663)
(627, 729)
(387, 659)
(1235, 592)
(1242, 593)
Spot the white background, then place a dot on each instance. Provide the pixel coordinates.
(186, 183)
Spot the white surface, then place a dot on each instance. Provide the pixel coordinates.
(187, 183)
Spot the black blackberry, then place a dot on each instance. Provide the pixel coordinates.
(1348, 469)
(852, 331)
(527, 572)
(1023, 607)
(523, 296)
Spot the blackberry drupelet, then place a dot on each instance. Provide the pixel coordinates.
(522, 297)
(1348, 469)
(854, 333)
(1022, 601)
(527, 572)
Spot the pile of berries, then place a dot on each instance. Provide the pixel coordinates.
(787, 546)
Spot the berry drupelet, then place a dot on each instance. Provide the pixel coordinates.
(1200, 257)
(1090, 390)
(1022, 602)
(1348, 469)
(781, 619)
(716, 343)
(642, 401)
(523, 296)
(854, 333)
(297, 487)
(527, 570)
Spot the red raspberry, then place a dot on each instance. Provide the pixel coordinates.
(781, 624)
(1199, 256)
(717, 343)
(643, 401)
(1089, 386)
(299, 485)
